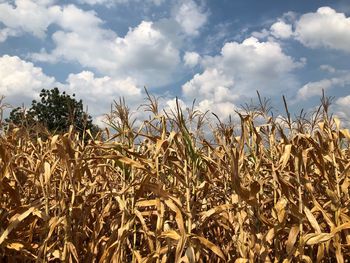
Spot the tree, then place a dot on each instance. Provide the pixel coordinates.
(55, 111)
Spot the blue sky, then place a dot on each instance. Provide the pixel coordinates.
(217, 52)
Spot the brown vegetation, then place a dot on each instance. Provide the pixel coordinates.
(273, 192)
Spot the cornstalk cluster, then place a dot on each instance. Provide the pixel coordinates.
(273, 192)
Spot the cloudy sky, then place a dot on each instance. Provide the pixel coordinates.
(217, 52)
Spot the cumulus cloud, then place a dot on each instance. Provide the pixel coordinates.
(190, 16)
(324, 28)
(7, 32)
(157, 2)
(102, 87)
(72, 18)
(191, 59)
(27, 16)
(103, 2)
(21, 78)
(281, 30)
(344, 101)
(99, 92)
(264, 33)
(36, 16)
(315, 88)
(110, 3)
(144, 53)
(239, 70)
(185, 22)
(170, 105)
(212, 83)
(328, 68)
(342, 110)
(149, 53)
(146, 49)
(75, 43)
(114, 65)
(254, 58)
(222, 109)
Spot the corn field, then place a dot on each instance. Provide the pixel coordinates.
(273, 190)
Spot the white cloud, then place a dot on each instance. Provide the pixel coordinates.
(21, 78)
(99, 92)
(103, 2)
(28, 16)
(171, 105)
(281, 30)
(328, 68)
(157, 2)
(254, 58)
(222, 109)
(324, 28)
(212, 83)
(342, 110)
(264, 33)
(344, 101)
(146, 49)
(7, 32)
(22, 81)
(191, 59)
(103, 87)
(190, 17)
(91, 48)
(110, 3)
(315, 88)
(144, 53)
(36, 16)
(240, 70)
(72, 18)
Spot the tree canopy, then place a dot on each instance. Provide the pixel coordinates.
(55, 111)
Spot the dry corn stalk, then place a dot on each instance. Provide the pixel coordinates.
(164, 193)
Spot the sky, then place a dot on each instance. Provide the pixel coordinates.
(217, 52)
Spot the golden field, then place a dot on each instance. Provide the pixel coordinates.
(275, 190)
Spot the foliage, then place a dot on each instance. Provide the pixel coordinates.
(277, 191)
(55, 111)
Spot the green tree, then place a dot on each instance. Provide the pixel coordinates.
(56, 111)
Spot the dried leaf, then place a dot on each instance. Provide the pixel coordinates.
(14, 221)
(317, 238)
(292, 238)
(172, 234)
(312, 220)
(214, 248)
(285, 156)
